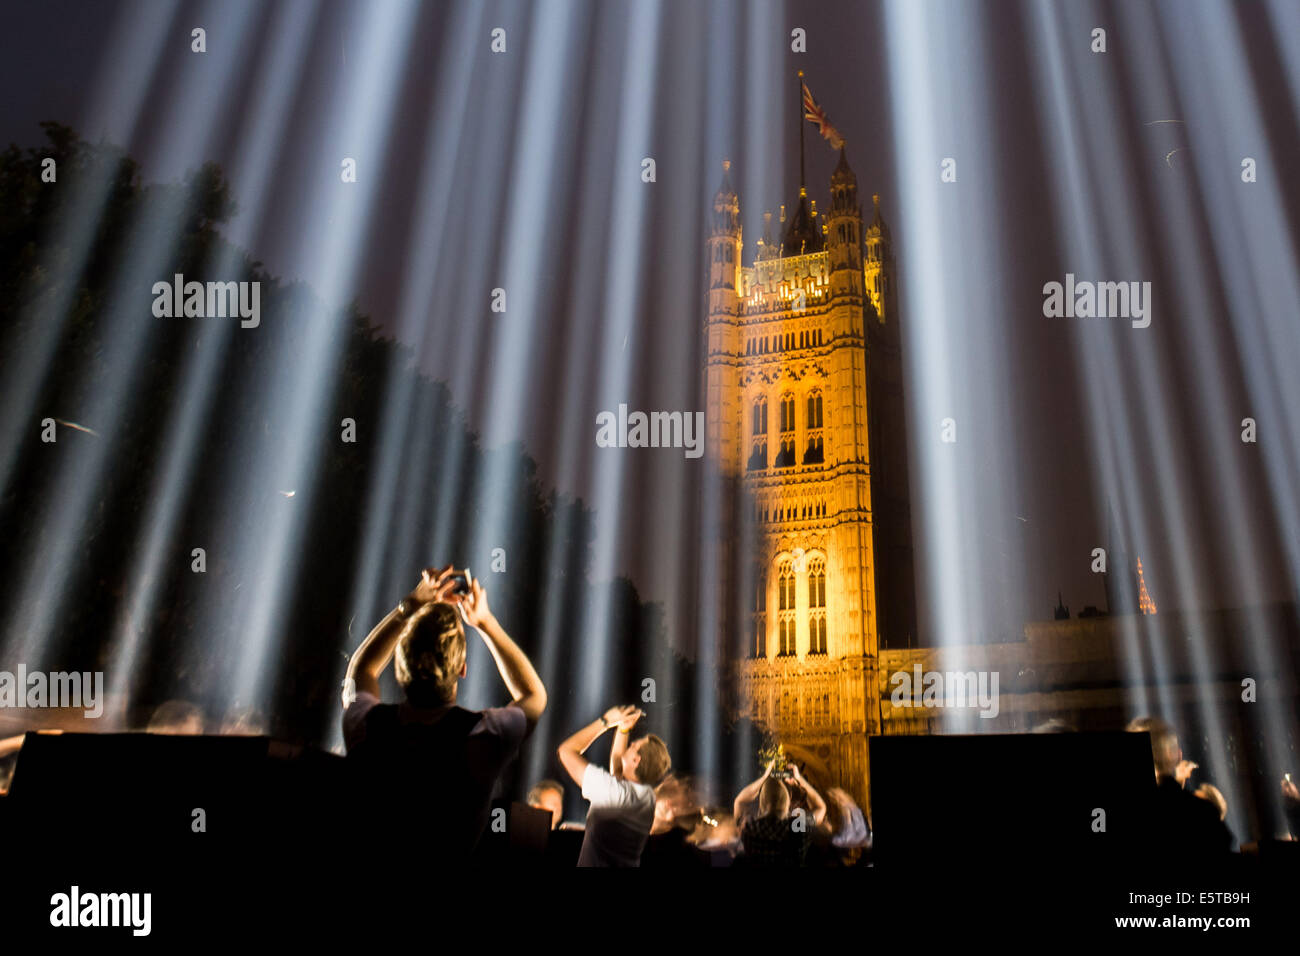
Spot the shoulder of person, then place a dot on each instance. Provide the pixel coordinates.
(356, 716)
(363, 701)
(509, 722)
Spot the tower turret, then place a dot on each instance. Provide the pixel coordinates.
(878, 269)
(844, 231)
(803, 235)
(723, 345)
(725, 236)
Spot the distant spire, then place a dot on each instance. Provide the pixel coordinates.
(1145, 604)
(843, 173)
(726, 188)
(1062, 612)
(726, 204)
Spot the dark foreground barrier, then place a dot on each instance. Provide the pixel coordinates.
(1010, 798)
(222, 833)
(119, 802)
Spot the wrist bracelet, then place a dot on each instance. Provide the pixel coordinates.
(624, 730)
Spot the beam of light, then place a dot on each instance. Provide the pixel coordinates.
(385, 553)
(747, 113)
(1057, 97)
(531, 176)
(134, 51)
(360, 127)
(505, 130)
(628, 212)
(1136, 451)
(938, 54)
(279, 70)
(130, 330)
(1252, 256)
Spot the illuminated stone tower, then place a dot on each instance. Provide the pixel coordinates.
(804, 404)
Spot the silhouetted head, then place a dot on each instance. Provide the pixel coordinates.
(675, 799)
(548, 795)
(1164, 744)
(1210, 793)
(774, 799)
(176, 717)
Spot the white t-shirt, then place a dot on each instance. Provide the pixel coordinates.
(621, 814)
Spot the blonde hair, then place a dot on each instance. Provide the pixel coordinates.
(430, 655)
(655, 762)
(774, 799)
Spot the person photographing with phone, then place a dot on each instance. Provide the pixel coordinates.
(622, 799)
(776, 835)
(427, 751)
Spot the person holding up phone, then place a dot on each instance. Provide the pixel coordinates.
(776, 835)
(426, 751)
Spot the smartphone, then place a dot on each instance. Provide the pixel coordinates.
(462, 581)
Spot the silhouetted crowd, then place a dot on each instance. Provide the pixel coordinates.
(428, 752)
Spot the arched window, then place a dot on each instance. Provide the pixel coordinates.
(758, 432)
(760, 615)
(785, 608)
(817, 583)
(815, 453)
(817, 633)
(817, 606)
(786, 457)
(815, 410)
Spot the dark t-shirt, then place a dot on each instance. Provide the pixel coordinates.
(672, 851)
(1186, 825)
(431, 771)
(773, 841)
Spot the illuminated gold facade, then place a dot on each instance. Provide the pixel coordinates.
(804, 403)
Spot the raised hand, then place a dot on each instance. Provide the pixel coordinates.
(617, 715)
(1289, 789)
(435, 585)
(474, 605)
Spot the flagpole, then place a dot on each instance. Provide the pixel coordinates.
(799, 104)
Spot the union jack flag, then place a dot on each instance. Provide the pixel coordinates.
(814, 113)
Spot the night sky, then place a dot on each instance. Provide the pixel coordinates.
(463, 200)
